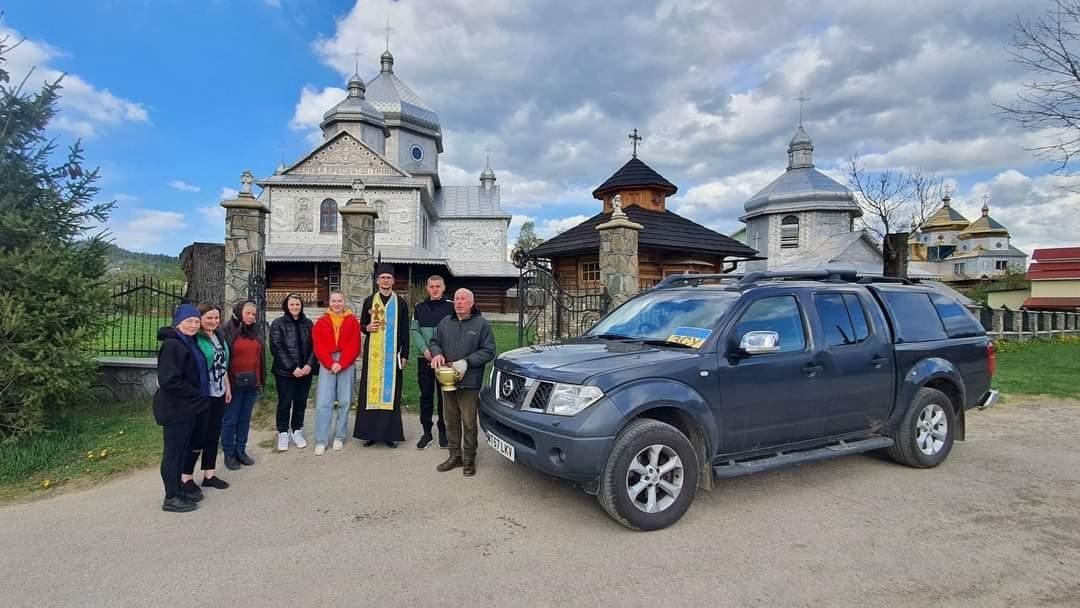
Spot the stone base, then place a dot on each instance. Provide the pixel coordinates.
(125, 379)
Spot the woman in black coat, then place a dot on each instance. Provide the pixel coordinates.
(183, 393)
(294, 362)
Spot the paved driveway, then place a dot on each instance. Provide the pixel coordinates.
(997, 525)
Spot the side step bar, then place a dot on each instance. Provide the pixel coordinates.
(844, 448)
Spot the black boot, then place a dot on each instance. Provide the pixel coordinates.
(231, 462)
(425, 441)
(191, 490)
(468, 468)
(177, 504)
(450, 464)
(245, 459)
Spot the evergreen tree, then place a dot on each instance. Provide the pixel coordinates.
(53, 303)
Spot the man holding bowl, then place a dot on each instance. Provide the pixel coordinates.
(463, 341)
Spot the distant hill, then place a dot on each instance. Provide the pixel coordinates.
(126, 264)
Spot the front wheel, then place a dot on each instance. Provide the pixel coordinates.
(925, 436)
(650, 477)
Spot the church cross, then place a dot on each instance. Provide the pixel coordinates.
(387, 29)
(356, 57)
(635, 138)
(802, 99)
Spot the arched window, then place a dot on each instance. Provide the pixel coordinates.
(328, 216)
(789, 232)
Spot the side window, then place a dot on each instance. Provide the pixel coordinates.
(835, 320)
(915, 317)
(959, 323)
(858, 316)
(780, 314)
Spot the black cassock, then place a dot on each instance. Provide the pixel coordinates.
(374, 424)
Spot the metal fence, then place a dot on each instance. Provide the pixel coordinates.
(140, 307)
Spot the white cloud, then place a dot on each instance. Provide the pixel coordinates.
(551, 227)
(85, 110)
(718, 203)
(272, 3)
(310, 108)
(228, 193)
(147, 228)
(183, 186)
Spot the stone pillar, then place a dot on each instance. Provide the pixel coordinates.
(1047, 322)
(357, 248)
(997, 326)
(1018, 324)
(619, 256)
(1059, 322)
(245, 242)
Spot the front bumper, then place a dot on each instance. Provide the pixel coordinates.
(989, 400)
(540, 444)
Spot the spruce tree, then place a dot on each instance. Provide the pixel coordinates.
(53, 303)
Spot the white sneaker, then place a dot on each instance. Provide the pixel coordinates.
(282, 442)
(319, 449)
(298, 438)
(338, 444)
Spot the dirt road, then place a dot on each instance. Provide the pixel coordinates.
(997, 525)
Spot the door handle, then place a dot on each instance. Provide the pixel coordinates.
(877, 361)
(811, 369)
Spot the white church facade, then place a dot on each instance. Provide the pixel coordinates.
(385, 135)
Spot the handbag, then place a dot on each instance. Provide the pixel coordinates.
(246, 379)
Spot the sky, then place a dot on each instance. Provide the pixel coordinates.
(174, 99)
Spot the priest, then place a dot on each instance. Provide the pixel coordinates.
(384, 320)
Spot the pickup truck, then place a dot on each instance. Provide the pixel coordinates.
(706, 377)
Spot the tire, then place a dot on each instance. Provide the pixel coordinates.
(652, 445)
(926, 433)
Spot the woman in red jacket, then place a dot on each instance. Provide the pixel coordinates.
(336, 341)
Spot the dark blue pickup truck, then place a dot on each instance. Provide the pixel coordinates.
(708, 376)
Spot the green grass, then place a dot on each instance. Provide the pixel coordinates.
(1040, 367)
(120, 438)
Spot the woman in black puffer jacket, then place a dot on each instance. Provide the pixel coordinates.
(294, 362)
(183, 393)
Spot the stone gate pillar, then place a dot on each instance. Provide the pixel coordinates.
(245, 242)
(357, 248)
(619, 256)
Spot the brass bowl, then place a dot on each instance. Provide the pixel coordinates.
(447, 377)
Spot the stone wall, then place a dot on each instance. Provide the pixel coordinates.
(125, 379)
(1022, 325)
(245, 245)
(619, 257)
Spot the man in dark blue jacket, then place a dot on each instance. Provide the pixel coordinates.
(465, 342)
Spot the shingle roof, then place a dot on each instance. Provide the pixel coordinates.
(945, 217)
(634, 174)
(984, 226)
(468, 201)
(800, 189)
(396, 100)
(664, 230)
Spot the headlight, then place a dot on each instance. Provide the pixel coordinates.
(569, 399)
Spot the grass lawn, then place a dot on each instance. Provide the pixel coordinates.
(85, 444)
(1040, 367)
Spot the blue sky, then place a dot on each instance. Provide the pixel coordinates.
(175, 99)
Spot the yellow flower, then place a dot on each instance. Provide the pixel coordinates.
(104, 453)
(121, 432)
(46, 483)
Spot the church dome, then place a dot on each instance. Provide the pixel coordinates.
(985, 226)
(355, 107)
(801, 187)
(945, 218)
(398, 102)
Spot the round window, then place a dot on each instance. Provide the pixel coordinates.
(998, 245)
(417, 153)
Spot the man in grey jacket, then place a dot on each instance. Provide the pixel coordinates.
(465, 342)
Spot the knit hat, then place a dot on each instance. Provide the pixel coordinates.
(184, 311)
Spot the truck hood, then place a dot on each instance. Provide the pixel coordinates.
(576, 362)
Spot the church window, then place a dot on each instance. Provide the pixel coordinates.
(958, 269)
(424, 232)
(328, 215)
(382, 223)
(417, 153)
(789, 232)
(1001, 265)
(997, 246)
(590, 273)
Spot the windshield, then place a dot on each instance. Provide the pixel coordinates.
(666, 315)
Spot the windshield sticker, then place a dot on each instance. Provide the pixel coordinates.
(690, 336)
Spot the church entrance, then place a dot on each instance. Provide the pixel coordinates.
(547, 312)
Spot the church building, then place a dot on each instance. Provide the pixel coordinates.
(959, 251)
(385, 135)
(667, 244)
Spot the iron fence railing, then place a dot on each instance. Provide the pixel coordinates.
(140, 306)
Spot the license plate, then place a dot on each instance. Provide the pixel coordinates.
(501, 446)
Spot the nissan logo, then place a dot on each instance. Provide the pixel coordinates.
(506, 387)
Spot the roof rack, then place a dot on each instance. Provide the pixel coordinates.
(743, 280)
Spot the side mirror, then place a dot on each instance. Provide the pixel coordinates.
(760, 342)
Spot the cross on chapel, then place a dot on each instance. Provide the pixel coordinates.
(635, 138)
(802, 99)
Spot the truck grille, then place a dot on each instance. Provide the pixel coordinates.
(522, 393)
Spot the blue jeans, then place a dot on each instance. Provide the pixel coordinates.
(333, 388)
(236, 422)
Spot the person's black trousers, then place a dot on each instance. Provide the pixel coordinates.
(426, 377)
(206, 436)
(291, 401)
(177, 445)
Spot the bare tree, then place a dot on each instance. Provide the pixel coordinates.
(893, 202)
(1049, 49)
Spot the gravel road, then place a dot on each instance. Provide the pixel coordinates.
(997, 525)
